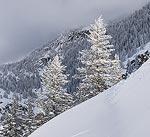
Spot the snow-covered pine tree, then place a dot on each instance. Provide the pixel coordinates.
(56, 99)
(99, 71)
(131, 32)
(53, 77)
(30, 121)
(13, 120)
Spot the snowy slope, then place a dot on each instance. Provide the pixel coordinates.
(133, 63)
(144, 49)
(139, 51)
(122, 111)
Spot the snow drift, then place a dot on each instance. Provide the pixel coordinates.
(122, 111)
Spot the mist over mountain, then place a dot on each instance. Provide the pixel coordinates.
(26, 25)
(23, 76)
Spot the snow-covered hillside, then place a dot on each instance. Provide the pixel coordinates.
(139, 51)
(122, 111)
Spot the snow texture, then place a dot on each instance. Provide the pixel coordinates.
(122, 111)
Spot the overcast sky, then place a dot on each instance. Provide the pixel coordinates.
(27, 24)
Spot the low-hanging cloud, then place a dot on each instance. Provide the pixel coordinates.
(27, 24)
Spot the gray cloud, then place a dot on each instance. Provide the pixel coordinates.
(27, 24)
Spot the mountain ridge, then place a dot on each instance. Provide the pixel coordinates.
(23, 76)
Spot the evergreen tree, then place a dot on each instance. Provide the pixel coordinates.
(31, 123)
(54, 99)
(13, 120)
(131, 32)
(53, 78)
(99, 71)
